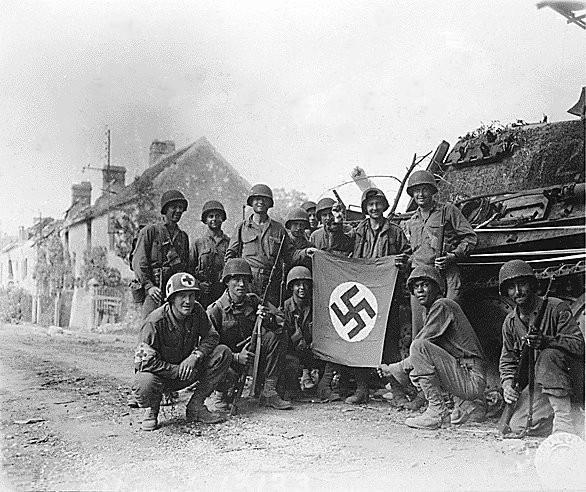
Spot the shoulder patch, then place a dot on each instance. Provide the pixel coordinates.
(565, 316)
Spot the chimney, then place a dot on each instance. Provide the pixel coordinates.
(81, 194)
(22, 234)
(159, 148)
(113, 179)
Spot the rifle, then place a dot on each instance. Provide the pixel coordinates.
(442, 232)
(255, 342)
(283, 288)
(525, 374)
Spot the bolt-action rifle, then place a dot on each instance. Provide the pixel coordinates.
(255, 342)
(525, 374)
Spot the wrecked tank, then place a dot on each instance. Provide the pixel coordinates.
(522, 188)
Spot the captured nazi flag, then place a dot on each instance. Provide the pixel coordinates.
(351, 304)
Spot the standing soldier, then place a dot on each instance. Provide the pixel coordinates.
(559, 346)
(297, 223)
(310, 208)
(299, 326)
(431, 222)
(376, 237)
(177, 348)
(330, 236)
(208, 251)
(234, 315)
(257, 240)
(444, 356)
(161, 250)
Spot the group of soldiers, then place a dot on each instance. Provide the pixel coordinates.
(201, 303)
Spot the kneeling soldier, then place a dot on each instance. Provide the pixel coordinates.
(445, 355)
(233, 316)
(559, 357)
(298, 323)
(177, 348)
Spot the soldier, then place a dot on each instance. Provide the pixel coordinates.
(444, 356)
(234, 315)
(208, 251)
(297, 222)
(375, 237)
(424, 232)
(299, 325)
(310, 208)
(257, 240)
(559, 346)
(327, 237)
(161, 250)
(177, 347)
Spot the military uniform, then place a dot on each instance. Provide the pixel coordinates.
(424, 236)
(299, 328)
(235, 323)
(559, 366)
(336, 241)
(259, 245)
(158, 249)
(300, 256)
(164, 342)
(207, 260)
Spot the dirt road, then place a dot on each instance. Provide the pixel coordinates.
(65, 426)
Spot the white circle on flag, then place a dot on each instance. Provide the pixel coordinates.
(353, 311)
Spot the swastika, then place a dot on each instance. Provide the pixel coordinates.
(353, 311)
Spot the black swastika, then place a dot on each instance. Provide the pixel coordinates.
(353, 311)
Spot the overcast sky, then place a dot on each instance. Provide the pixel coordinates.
(293, 94)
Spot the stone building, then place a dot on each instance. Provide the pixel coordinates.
(198, 170)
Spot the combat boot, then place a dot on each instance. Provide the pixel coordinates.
(306, 380)
(436, 414)
(217, 401)
(324, 387)
(150, 420)
(562, 417)
(196, 411)
(468, 411)
(416, 403)
(270, 398)
(361, 393)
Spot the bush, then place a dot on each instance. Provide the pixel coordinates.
(15, 305)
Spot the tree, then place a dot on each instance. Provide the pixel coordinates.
(53, 269)
(95, 266)
(126, 223)
(285, 201)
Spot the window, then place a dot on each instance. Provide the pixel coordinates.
(24, 268)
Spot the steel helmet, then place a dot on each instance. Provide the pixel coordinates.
(322, 205)
(172, 196)
(514, 269)
(421, 177)
(307, 206)
(212, 205)
(373, 193)
(298, 273)
(236, 266)
(427, 272)
(297, 214)
(180, 282)
(260, 190)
